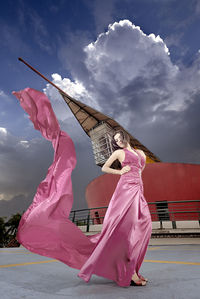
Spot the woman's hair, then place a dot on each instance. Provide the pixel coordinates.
(125, 138)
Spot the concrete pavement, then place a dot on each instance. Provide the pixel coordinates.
(172, 266)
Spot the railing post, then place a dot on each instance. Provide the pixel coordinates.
(199, 219)
(88, 222)
(173, 221)
(161, 225)
(74, 215)
(174, 224)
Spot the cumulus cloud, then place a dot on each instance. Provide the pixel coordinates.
(75, 89)
(124, 56)
(63, 113)
(3, 132)
(130, 76)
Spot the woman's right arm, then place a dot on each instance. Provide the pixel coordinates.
(106, 167)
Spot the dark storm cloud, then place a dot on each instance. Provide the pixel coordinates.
(17, 204)
(23, 164)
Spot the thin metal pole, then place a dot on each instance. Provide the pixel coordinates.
(88, 222)
(37, 72)
(63, 93)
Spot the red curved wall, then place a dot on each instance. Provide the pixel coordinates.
(162, 182)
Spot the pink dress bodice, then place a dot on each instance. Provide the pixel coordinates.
(136, 161)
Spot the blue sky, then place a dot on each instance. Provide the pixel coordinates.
(137, 61)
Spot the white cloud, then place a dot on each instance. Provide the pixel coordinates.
(124, 53)
(24, 143)
(3, 135)
(4, 97)
(129, 75)
(75, 89)
(3, 131)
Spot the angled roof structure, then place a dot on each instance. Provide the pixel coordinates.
(89, 118)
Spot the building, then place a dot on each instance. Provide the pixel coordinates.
(164, 183)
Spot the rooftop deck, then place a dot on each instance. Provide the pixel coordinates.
(172, 266)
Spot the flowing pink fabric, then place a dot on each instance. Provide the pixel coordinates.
(119, 249)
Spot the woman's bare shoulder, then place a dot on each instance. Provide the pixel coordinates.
(141, 152)
(115, 155)
(118, 152)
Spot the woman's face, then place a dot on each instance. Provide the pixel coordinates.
(119, 140)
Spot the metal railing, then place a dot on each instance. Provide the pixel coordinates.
(172, 211)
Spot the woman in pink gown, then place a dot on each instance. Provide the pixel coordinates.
(45, 228)
(126, 230)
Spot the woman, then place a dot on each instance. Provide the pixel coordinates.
(132, 162)
(45, 228)
(121, 246)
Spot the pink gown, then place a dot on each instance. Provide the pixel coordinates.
(126, 230)
(45, 228)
